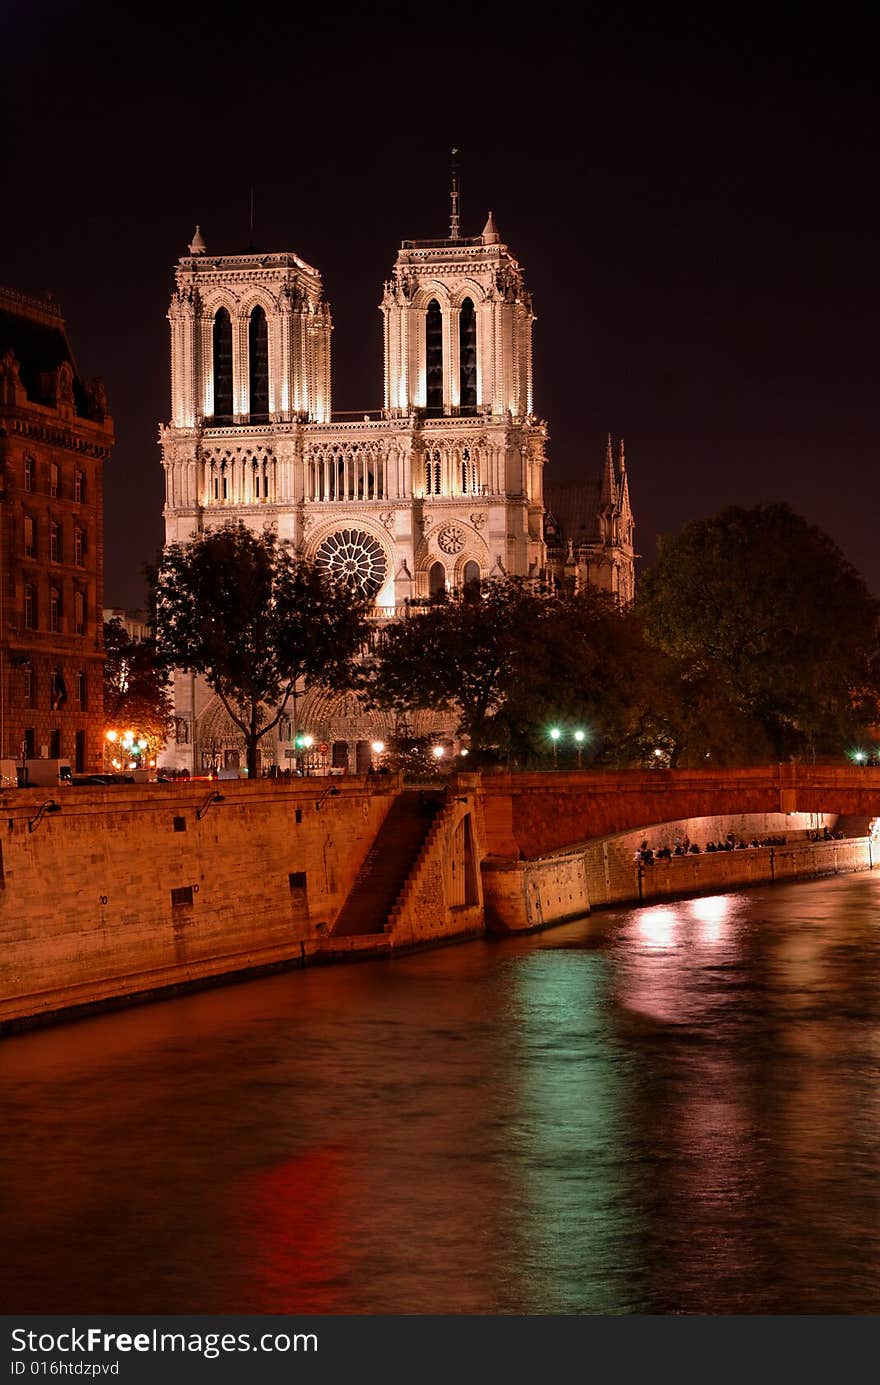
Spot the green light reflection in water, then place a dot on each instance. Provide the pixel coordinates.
(580, 1229)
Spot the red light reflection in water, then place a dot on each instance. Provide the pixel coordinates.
(295, 1216)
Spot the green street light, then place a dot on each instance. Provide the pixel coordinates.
(579, 741)
(555, 733)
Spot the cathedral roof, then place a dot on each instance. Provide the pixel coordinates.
(33, 329)
(573, 507)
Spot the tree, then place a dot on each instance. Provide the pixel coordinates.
(137, 699)
(457, 655)
(512, 662)
(241, 610)
(764, 609)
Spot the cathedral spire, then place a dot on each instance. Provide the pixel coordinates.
(197, 244)
(623, 483)
(454, 221)
(490, 232)
(608, 494)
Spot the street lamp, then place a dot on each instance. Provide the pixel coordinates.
(555, 733)
(377, 748)
(438, 752)
(579, 742)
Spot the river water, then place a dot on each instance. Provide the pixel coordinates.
(673, 1109)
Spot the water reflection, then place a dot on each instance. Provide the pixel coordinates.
(671, 1109)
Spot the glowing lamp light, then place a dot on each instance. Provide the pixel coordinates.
(658, 752)
(112, 736)
(378, 747)
(464, 752)
(141, 745)
(437, 752)
(132, 764)
(579, 737)
(555, 733)
(308, 741)
(859, 757)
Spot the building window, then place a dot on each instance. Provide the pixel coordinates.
(222, 364)
(79, 547)
(79, 613)
(54, 542)
(434, 359)
(468, 473)
(79, 486)
(57, 691)
(467, 345)
(432, 472)
(30, 685)
(29, 744)
(54, 609)
(55, 743)
(30, 606)
(82, 690)
(182, 896)
(30, 537)
(28, 473)
(258, 350)
(54, 483)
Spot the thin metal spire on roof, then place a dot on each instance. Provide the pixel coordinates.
(454, 221)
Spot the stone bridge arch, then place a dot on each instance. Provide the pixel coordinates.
(532, 815)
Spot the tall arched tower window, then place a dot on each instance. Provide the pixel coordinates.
(467, 346)
(258, 351)
(222, 365)
(434, 359)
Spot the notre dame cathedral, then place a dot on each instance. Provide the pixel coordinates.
(441, 486)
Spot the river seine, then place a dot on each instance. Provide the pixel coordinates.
(673, 1109)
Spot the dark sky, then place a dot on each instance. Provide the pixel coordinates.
(694, 203)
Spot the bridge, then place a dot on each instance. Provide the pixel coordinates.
(531, 815)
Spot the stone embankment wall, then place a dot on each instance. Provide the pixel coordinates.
(130, 889)
(521, 896)
(442, 897)
(614, 877)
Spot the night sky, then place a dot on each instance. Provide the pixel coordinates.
(694, 206)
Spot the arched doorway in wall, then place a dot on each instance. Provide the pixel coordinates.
(437, 579)
(471, 576)
(340, 755)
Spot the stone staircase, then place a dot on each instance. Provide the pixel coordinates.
(389, 863)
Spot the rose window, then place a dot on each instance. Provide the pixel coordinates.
(355, 557)
(450, 539)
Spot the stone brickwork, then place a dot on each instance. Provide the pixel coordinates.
(522, 896)
(127, 890)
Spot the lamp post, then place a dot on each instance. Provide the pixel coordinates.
(555, 733)
(579, 742)
(377, 748)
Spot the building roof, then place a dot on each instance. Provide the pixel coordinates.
(33, 329)
(574, 508)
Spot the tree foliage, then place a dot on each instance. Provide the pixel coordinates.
(771, 624)
(241, 610)
(137, 697)
(511, 662)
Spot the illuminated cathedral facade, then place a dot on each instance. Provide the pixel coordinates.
(440, 487)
